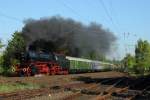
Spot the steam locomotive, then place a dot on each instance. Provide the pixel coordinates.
(50, 63)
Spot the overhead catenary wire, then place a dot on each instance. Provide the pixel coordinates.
(126, 35)
(70, 8)
(113, 12)
(10, 17)
(108, 15)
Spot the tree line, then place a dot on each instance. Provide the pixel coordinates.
(140, 62)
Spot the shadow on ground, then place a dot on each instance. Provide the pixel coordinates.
(139, 86)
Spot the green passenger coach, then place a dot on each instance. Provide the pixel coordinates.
(79, 64)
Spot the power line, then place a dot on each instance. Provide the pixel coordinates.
(113, 12)
(70, 8)
(112, 21)
(10, 17)
(125, 35)
(110, 18)
(107, 13)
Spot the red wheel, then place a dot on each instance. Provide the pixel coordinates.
(28, 72)
(24, 70)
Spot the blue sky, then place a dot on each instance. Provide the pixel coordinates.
(128, 16)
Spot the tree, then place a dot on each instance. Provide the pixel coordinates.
(142, 56)
(1, 57)
(14, 48)
(1, 45)
(129, 62)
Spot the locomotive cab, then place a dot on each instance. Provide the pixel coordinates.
(62, 61)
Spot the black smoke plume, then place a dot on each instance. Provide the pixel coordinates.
(71, 37)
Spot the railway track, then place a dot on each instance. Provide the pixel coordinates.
(94, 89)
(124, 93)
(122, 88)
(116, 91)
(79, 93)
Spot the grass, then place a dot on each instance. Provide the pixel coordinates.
(139, 74)
(5, 88)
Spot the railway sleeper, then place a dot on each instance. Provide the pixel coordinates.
(90, 92)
